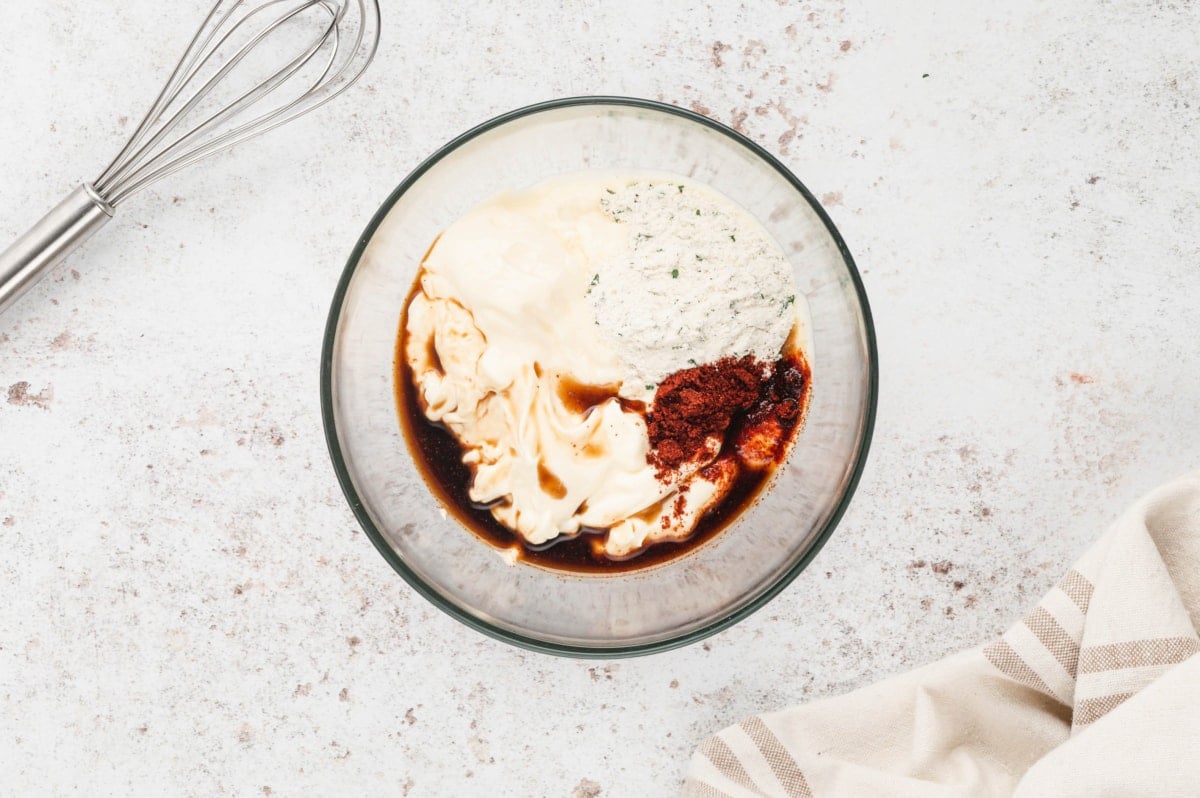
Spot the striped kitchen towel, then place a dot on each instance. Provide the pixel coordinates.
(1096, 692)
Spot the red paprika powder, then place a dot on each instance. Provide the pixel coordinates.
(742, 399)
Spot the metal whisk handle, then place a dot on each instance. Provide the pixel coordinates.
(49, 241)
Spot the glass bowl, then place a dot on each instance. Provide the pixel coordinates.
(677, 602)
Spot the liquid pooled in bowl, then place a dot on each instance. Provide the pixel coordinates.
(602, 371)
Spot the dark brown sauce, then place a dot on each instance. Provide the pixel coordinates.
(438, 457)
(580, 398)
(431, 352)
(550, 483)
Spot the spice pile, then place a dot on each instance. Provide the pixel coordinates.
(740, 400)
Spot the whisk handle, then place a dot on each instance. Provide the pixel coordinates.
(49, 241)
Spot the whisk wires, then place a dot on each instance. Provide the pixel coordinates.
(339, 41)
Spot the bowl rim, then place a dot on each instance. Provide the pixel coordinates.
(377, 538)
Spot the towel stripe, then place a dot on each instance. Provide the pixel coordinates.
(1056, 639)
(1137, 653)
(781, 762)
(1009, 662)
(1077, 588)
(700, 789)
(726, 762)
(1092, 709)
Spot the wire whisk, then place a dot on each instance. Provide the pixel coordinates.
(252, 66)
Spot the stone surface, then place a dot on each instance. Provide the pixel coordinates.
(189, 606)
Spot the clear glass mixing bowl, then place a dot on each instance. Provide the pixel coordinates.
(678, 602)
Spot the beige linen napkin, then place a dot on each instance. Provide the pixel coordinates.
(1095, 693)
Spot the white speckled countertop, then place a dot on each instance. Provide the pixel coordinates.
(190, 608)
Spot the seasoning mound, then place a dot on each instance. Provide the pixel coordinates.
(697, 279)
(693, 409)
(616, 358)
